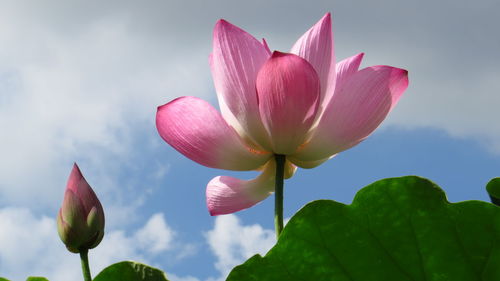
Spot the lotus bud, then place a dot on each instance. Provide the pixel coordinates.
(80, 221)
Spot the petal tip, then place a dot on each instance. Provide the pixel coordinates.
(266, 46)
(76, 168)
(164, 106)
(220, 27)
(211, 195)
(327, 18)
(399, 73)
(221, 23)
(74, 177)
(277, 54)
(356, 60)
(212, 211)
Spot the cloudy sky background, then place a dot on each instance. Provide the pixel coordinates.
(81, 80)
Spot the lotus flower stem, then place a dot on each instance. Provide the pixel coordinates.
(84, 257)
(278, 194)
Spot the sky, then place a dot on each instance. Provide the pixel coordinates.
(80, 81)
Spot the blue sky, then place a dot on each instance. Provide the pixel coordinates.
(81, 82)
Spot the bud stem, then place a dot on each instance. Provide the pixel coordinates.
(278, 194)
(85, 265)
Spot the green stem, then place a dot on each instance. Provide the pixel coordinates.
(278, 194)
(84, 257)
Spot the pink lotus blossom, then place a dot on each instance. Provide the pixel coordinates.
(80, 221)
(300, 104)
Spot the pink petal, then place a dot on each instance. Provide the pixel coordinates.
(290, 169)
(316, 46)
(309, 164)
(236, 58)
(72, 210)
(356, 110)
(230, 118)
(197, 130)
(346, 68)
(226, 195)
(67, 234)
(264, 43)
(82, 190)
(288, 92)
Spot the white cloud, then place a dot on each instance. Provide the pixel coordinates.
(186, 250)
(232, 243)
(463, 107)
(173, 277)
(31, 247)
(84, 91)
(155, 236)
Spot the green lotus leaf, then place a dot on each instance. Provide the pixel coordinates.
(493, 189)
(130, 271)
(399, 229)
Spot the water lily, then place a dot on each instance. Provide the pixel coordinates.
(279, 111)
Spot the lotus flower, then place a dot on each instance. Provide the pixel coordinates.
(299, 104)
(80, 221)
